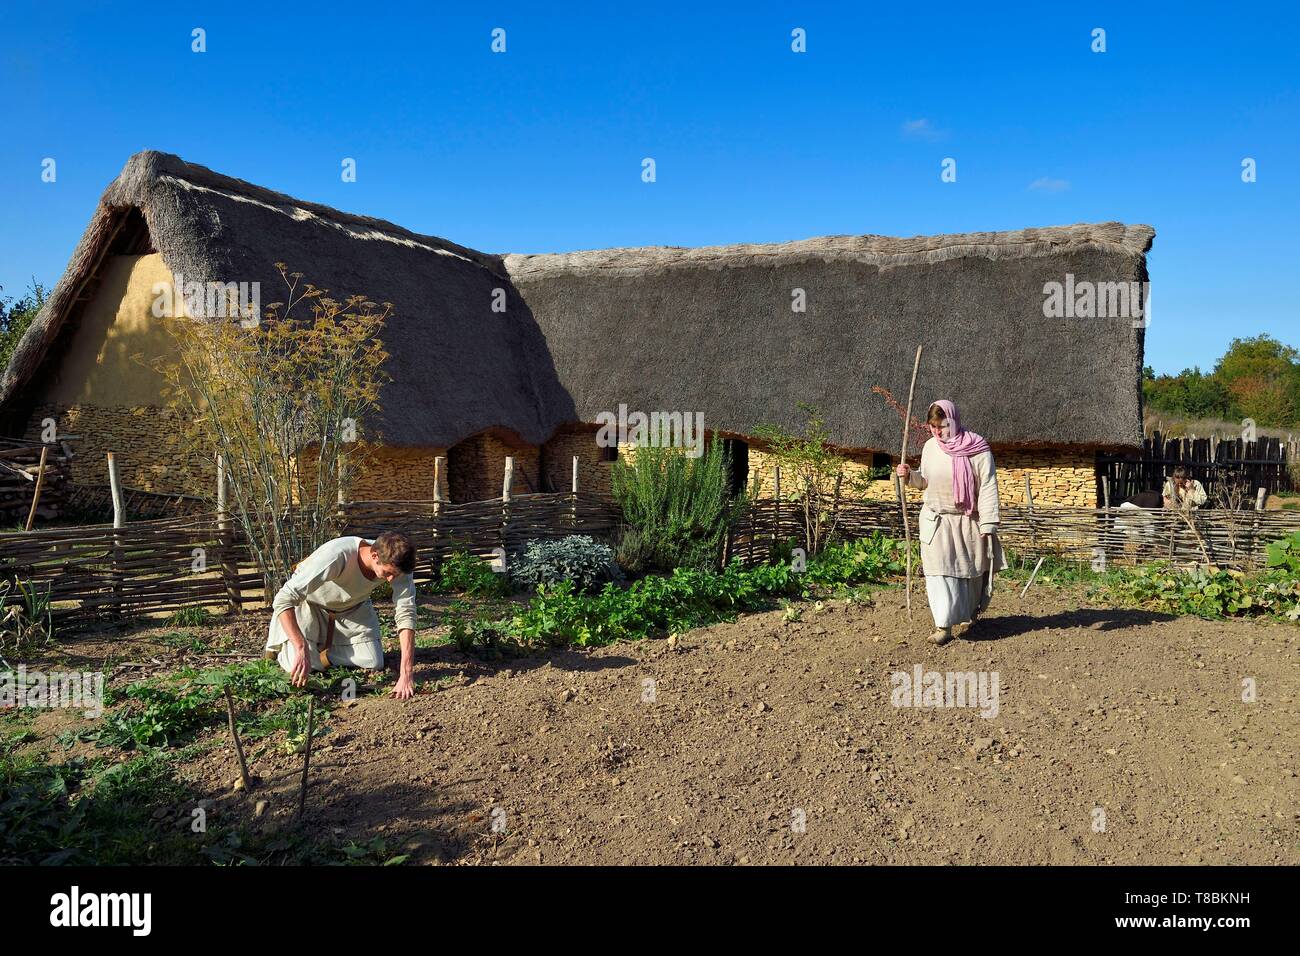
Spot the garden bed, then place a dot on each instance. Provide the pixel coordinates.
(558, 756)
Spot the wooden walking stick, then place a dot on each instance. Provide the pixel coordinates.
(902, 492)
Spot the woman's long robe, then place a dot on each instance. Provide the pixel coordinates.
(953, 551)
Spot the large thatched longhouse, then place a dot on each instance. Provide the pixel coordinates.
(742, 334)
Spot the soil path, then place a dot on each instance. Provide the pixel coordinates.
(1120, 737)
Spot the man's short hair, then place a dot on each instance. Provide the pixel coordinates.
(1180, 472)
(394, 548)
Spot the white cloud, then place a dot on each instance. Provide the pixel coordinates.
(922, 129)
(1046, 184)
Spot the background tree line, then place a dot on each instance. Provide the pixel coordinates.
(1255, 378)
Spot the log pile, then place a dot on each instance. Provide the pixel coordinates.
(20, 469)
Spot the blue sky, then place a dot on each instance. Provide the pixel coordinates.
(540, 148)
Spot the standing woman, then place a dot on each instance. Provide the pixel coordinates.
(959, 519)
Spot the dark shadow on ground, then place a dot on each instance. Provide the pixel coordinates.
(448, 658)
(1097, 619)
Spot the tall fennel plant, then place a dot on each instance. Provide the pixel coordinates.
(282, 400)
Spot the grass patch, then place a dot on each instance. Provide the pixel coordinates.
(190, 617)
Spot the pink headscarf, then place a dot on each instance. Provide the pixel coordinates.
(960, 446)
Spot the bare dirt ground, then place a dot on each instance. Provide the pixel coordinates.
(765, 741)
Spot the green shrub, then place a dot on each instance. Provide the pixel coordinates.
(676, 509)
(464, 573)
(577, 558)
(26, 616)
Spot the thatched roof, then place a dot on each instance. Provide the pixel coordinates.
(712, 330)
(658, 329)
(457, 367)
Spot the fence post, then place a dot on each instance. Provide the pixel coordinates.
(1254, 534)
(434, 553)
(776, 508)
(507, 481)
(438, 461)
(835, 508)
(119, 522)
(229, 567)
(1029, 505)
(40, 483)
(574, 507)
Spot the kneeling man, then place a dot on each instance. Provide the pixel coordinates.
(323, 614)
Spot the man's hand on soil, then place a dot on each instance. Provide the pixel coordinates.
(405, 688)
(301, 667)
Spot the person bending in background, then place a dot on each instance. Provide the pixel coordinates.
(323, 615)
(959, 519)
(1183, 491)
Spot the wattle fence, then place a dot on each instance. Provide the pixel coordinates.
(167, 564)
(1230, 539)
(197, 560)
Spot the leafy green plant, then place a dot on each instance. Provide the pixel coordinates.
(156, 716)
(464, 573)
(676, 509)
(1208, 592)
(577, 558)
(1285, 553)
(84, 812)
(482, 631)
(183, 640)
(854, 562)
(689, 598)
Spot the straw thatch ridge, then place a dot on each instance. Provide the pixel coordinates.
(712, 330)
(883, 251)
(457, 367)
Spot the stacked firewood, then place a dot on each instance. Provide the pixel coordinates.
(20, 468)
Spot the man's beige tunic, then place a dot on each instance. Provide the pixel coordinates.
(328, 581)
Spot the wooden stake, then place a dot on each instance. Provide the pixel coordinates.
(239, 746)
(902, 493)
(306, 755)
(36, 495)
(1025, 589)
